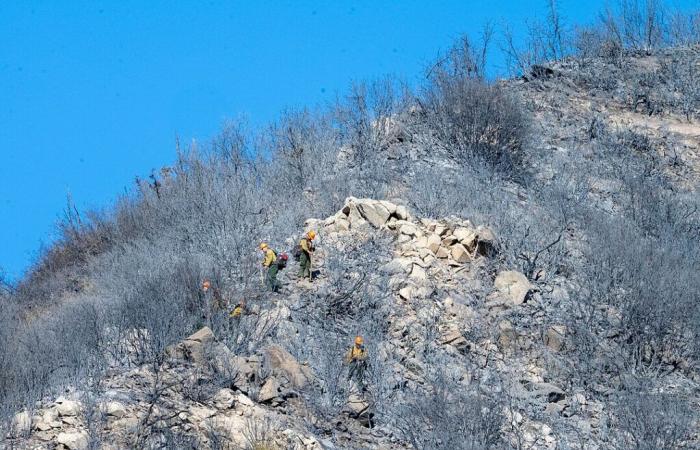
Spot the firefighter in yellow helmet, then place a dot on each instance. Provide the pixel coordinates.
(357, 359)
(239, 310)
(306, 247)
(270, 263)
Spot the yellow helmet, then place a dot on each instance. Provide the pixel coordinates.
(263, 246)
(359, 340)
(311, 234)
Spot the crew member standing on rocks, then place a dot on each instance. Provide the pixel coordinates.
(357, 359)
(270, 263)
(306, 247)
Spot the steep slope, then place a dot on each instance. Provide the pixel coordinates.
(435, 273)
(547, 300)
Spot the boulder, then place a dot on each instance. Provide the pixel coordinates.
(466, 237)
(442, 253)
(374, 212)
(440, 229)
(73, 440)
(418, 274)
(398, 266)
(47, 421)
(270, 390)
(114, 409)
(244, 400)
(67, 408)
(449, 240)
(402, 213)
(513, 286)
(354, 217)
(554, 338)
(409, 229)
(199, 413)
(224, 399)
(433, 243)
(357, 404)
(454, 338)
(194, 346)
(127, 424)
(406, 293)
(340, 225)
(391, 207)
(280, 360)
(460, 253)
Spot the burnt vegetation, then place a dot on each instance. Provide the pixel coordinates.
(125, 281)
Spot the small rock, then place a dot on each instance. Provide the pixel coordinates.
(408, 229)
(442, 253)
(466, 237)
(433, 243)
(357, 404)
(224, 399)
(460, 253)
(269, 390)
(554, 339)
(513, 286)
(244, 400)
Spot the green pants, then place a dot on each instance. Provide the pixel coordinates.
(272, 277)
(305, 265)
(357, 372)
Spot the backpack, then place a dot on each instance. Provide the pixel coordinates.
(296, 253)
(282, 260)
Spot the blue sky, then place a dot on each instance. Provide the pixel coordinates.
(94, 93)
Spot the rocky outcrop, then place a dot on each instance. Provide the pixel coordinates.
(437, 282)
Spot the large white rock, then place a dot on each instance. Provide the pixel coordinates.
(278, 359)
(195, 345)
(114, 409)
(409, 229)
(67, 408)
(73, 440)
(269, 390)
(402, 213)
(374, 212)
(513, 285)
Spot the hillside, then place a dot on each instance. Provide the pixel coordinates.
(521, 258)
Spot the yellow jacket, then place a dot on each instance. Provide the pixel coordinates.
(270, 258)
(356, 353)
(306, 245)
(237, 311)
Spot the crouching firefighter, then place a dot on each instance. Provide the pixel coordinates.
(357, 359)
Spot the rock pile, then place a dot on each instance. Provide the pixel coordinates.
(441, 282)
